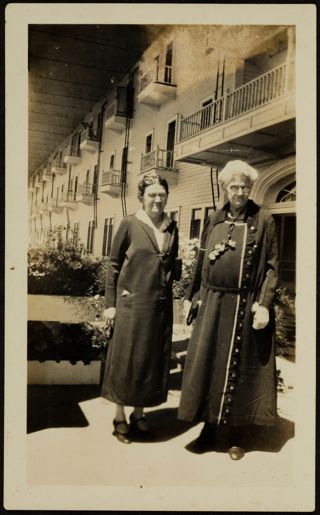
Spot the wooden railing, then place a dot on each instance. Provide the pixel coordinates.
(111, 178)
(111, 109)
(58, 161)
(253, 94)
(88, 134)
(86, 189)
(72, 150)
(156, 73)
(158, 158)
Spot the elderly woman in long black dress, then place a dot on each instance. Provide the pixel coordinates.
(230, 375)
(138, 301)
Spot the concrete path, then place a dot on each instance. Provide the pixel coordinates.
(70, 443)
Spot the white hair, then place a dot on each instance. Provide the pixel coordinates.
(237, 167)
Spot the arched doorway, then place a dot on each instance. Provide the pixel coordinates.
(276, 189)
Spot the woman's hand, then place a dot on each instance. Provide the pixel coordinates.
(261, 316)
(109, 316)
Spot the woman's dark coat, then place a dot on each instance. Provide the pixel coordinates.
(230, 373)
(139, 285)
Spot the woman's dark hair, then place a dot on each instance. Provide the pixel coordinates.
(151, 179)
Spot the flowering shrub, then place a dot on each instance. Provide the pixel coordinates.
(284, 307)
(188, 252)
(64, 269)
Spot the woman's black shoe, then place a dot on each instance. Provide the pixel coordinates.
(140, 428)
(121, 431)
(205, 441)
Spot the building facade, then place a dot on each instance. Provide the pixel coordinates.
(198, 97)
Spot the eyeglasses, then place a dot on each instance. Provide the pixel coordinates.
(235, 189)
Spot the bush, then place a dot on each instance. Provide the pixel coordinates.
(71, 342)
(188, 252)
(65, 270)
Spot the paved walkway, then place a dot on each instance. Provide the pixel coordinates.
(71, 427)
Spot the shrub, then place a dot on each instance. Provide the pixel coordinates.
(65, 269)
(188, 252)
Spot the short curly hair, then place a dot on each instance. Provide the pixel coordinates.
(147, 180)
(237, 167)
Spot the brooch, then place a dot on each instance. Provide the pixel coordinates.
(222, 247)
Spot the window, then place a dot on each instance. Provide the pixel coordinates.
(42, 194)
(195, 225)
(198, 217)
(111, 166)
(207, 212)
(287, 194)
(75, 237)
(75, 188)
(206, 111)
(90, 236)
(286, 232)
(52, 185)
(148, 144)
(107, 236)
(156, 66)
(170, 143)
(87, 176)
(168, 64)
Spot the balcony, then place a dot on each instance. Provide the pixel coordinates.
(156, 86)
(119, 110)
(111, 183)
(58, 166)
(69, 200)
(252, 122)
(72, 155)
(89, 140)
(85, 194)
(47, 174)
(161, 162)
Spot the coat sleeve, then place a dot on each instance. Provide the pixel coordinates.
(195, 283)
(269, 284)
(117, 255)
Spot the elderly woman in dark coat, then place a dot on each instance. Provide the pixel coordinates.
(138, 300)
(230, 376)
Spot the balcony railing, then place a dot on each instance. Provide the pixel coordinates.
(85, 193)
(72, 150)
(111, 110)
(158, 158)
(111, 178)
(162, 74)
(88, 135)
(262, 90)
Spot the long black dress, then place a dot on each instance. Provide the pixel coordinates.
(139, 285)
(230, 374)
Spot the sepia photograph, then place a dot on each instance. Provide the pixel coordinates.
(160, 279)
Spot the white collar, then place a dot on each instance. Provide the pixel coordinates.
(144, 217)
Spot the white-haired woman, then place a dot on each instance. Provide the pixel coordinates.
(230, 376)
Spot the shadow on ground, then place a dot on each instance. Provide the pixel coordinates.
(256, 438)
(57, 406)
(164, 424)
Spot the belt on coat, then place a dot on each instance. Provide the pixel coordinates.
(244, 289)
